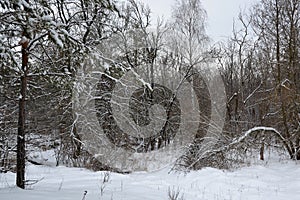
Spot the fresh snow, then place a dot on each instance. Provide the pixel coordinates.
(274, 180)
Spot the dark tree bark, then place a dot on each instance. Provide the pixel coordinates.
(21, 154)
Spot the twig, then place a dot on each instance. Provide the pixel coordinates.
(84, 195)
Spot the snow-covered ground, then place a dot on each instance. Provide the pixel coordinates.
(274, 180)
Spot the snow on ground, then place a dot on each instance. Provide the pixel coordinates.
(275, 180)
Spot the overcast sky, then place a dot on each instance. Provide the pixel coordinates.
(221, 13)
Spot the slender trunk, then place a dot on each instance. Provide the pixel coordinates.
(20, 180)
(261, 151)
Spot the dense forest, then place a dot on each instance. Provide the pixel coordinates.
(86, 77)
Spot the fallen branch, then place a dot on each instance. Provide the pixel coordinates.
(208, 154)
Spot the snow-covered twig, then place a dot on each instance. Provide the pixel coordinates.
(174, 194)
(252, 93)
(258, 128)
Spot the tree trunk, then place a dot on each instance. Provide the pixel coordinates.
(20, 180)
(261, 151)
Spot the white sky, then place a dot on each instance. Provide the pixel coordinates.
(221, 13)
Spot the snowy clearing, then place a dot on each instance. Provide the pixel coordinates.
(274, 180)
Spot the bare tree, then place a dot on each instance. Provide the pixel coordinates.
(256, 66)
(277, 26)
(188, 25)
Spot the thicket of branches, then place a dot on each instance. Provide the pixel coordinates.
(260, 67)
(43, 45)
